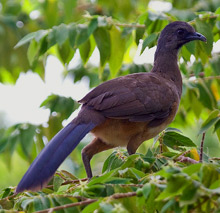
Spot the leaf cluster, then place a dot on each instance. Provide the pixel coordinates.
(138, 183)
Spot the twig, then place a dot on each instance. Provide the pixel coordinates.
(211, 77)
(81, 203)
(123, 195)
(184, 159)
(86, 202)
(204, 78)
(69, 181)
(214, 158)
(204, 18)
(201, 148)
(131, 25)
(125, 185)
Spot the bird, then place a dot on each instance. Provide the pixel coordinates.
(122, 112)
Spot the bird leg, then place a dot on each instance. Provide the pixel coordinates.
(133, 144)
(91, 149)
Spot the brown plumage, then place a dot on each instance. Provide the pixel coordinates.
(124, 111)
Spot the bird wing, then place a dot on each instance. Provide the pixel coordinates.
(136, 97)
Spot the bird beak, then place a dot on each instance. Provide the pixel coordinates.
(196, 36)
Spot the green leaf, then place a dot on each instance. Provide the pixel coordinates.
(73, 35)
(205, 29)
(92, 26)
(175, 186)
(213, 118)
(64, 106)
(103, 41)
(118, 47)
(205, 95)
(26, 39)
(26, 137)
(217, 125)
(115, 160)
(139, 34)
(57, 182)
(149, 41)
(86, 49)
(146, 189)
(192, 169)
(62, 33)
(91, 207)
(209, 174)
(66, 53)
(173, 140)
(82, 34)
(32, 53)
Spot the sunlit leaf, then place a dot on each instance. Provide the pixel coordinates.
(118, 45)
(174, 139)
(206, 30)
(102, 38)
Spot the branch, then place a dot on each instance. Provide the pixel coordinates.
(130, 25)
(201, 148)
(81, 203)
(203, 78)
(86, 202)
(204, 18)
(184, 159)
(69, 182)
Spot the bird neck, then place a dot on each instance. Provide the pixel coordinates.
(165, 65)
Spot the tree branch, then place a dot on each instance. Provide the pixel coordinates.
(130, 25)
(201, 148)
(81, 203)
(86, 202)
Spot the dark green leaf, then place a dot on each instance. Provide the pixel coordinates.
(64, 106)
(205, 29)
(26, 136)
(118, 47)
(217, 127)
(205, 95)
(148, 41)
(174, 139)
(102, 38)
(86, 49)
(57, 182)
(35, 35)
(139, 34)
(62, 33)
(72, 35)
(66, 53)
(82, 34)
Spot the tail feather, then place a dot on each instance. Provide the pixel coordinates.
(54, 153)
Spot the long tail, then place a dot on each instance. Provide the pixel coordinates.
(54, 153)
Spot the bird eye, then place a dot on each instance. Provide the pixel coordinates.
(180, 32)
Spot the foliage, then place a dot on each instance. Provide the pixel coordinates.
(31, 30)
(138, 183)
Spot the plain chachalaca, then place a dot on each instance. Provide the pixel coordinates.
(125, 111)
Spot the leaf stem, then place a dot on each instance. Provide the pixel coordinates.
(201, 148)
(86, 202)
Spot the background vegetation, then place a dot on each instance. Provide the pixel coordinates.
(31, 30)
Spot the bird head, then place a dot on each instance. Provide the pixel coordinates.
(178, 33)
